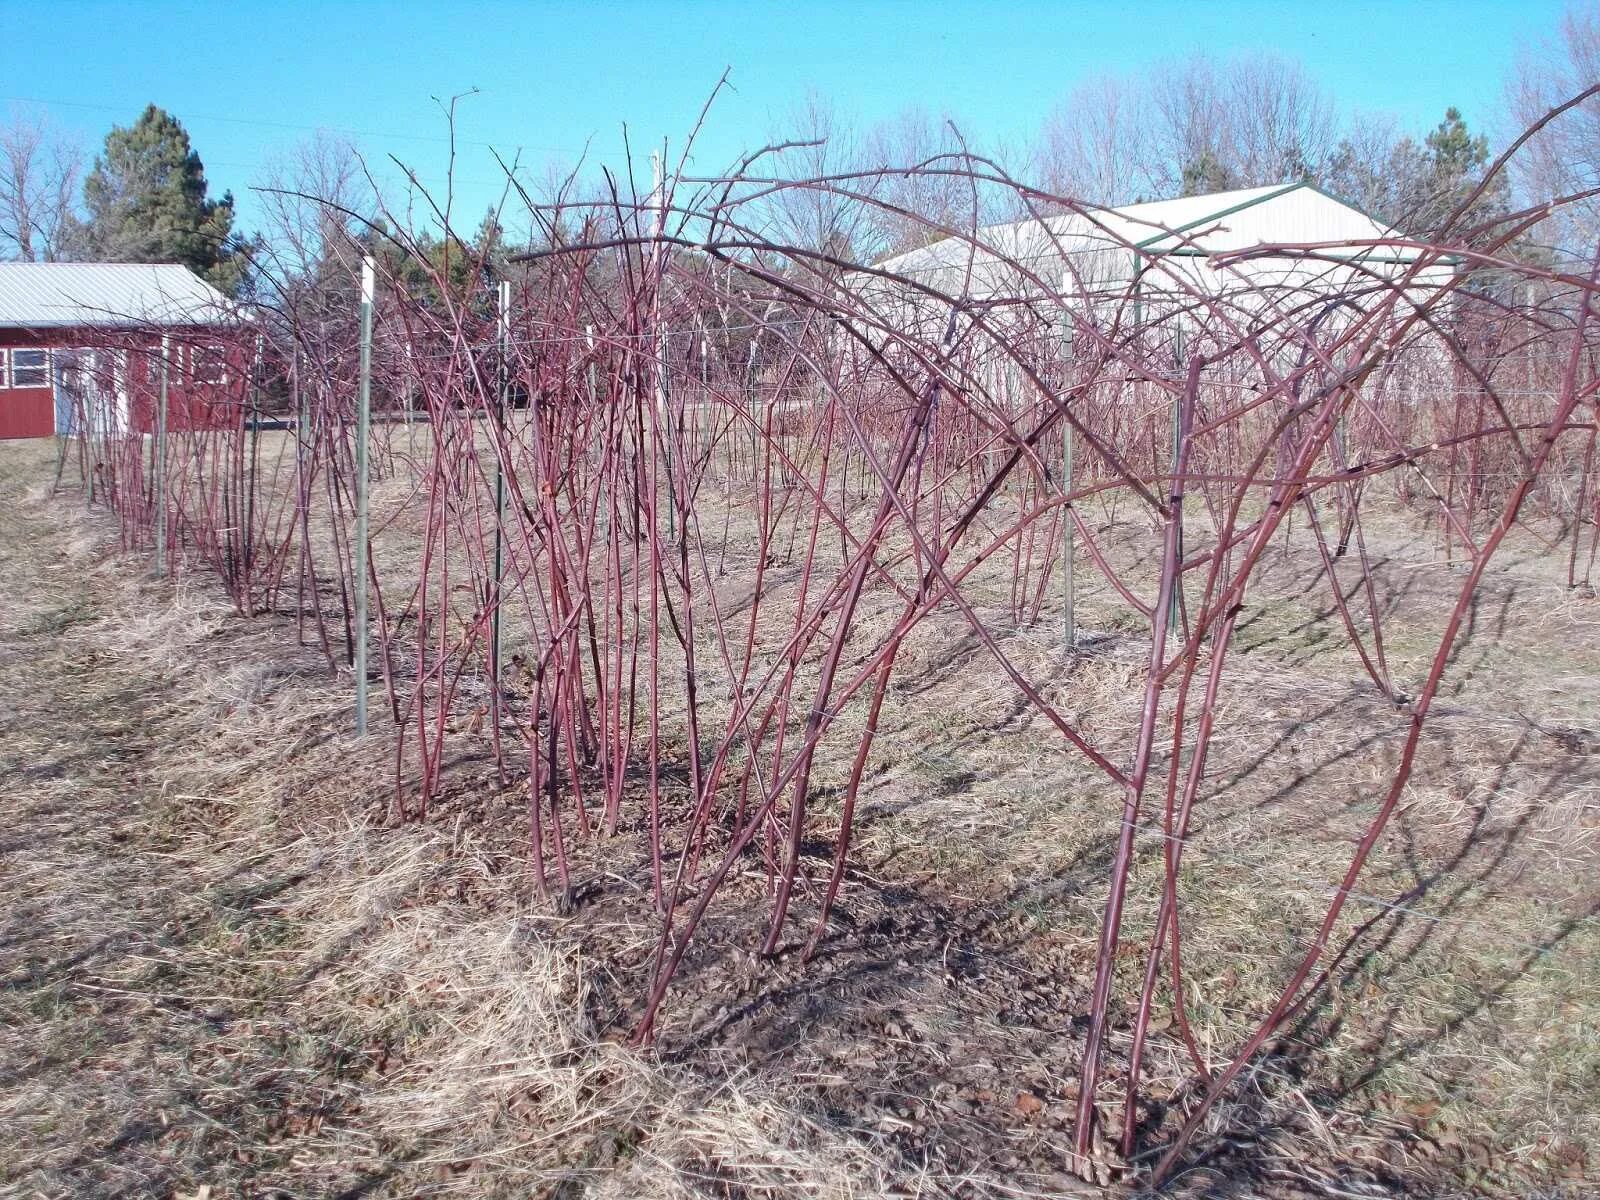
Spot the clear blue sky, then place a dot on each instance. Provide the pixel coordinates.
(251, 79)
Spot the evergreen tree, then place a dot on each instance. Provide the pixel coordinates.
(1416, 187)
(1456, 162)
(420, 262)
(489, 243)
(146, 201)
(1205, 174)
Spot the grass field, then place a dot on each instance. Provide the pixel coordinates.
(222, 968)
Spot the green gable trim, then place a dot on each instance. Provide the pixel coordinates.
(1365, 256)
(1226, 212)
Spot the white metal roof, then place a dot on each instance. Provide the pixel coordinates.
(107, 295)
(1109, 242)
(1172, 263)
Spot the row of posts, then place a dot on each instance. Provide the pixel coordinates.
(363, 479)
(363, 484)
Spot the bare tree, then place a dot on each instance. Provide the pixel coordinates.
(1365, 167)
(819, 218)
(937, 195)
(1191, 130)
(1249, 122)
(1189, 126)
(1094, 146)
(40, 170)
(309, 199)
(1280, 124)
(1564, 158)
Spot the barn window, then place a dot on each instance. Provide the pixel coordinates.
(208, 364)
(30, 368)
(5, 379)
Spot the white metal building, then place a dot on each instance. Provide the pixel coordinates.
(1161, 257)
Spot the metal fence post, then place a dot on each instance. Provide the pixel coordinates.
(502, 387)
(161, 461)
(363, 428)
(1175, 598)
(1069, 534)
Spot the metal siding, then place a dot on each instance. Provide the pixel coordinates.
(107, 295)
(1219, 222)
(1094, 256)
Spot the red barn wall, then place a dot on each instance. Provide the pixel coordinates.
(192, 403)
(25, 412)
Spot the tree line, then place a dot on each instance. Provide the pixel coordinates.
(1189, 128)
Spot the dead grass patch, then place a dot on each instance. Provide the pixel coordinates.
(237, 976)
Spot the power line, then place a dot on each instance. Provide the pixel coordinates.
(286, 125)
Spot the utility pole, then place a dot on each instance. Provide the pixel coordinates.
(369, 287)
(161, 462)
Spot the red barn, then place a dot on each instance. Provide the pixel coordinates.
(81, 343)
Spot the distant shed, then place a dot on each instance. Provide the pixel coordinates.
(81, 342)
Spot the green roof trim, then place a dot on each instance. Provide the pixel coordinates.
(1366, 256)
(1226, 212)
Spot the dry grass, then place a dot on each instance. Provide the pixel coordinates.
(218, 975)
(301, 999)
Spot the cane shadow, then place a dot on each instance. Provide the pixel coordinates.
(1444, 906)
(1434, 919)
(861, 962)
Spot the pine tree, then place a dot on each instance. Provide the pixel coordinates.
(1416, 187)
(1456, 161)
(147, 201)
(1206, 174)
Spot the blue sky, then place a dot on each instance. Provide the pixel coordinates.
(249, 80)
